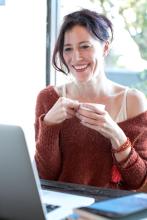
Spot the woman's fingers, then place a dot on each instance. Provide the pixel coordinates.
(94, 107)
(89, 116)
(63, 109)
(73, 104)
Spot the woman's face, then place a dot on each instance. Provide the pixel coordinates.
(83, 54)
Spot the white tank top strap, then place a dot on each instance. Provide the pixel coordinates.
(64, 90)
(122, 114)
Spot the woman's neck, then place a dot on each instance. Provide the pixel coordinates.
(90, 91)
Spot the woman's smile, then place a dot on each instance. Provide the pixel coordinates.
(80, 68)
(82, 52)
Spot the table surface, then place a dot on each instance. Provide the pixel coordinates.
(96, 192)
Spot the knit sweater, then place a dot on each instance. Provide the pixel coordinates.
(73, 153)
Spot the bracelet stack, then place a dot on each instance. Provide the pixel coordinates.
(123, 147)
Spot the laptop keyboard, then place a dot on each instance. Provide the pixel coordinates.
(50, 207)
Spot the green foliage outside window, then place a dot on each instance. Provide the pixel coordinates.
(134, 17)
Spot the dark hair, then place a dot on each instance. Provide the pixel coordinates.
(98, 26)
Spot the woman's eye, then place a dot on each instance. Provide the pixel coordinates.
(84, 46)
(67, 49)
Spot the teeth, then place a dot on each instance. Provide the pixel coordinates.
(80, 67)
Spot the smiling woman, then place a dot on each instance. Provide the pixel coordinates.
(80, 53)
(76, 140)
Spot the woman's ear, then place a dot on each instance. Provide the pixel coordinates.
(106, 48)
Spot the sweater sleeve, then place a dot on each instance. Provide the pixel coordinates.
(134, 168)
(47, 155)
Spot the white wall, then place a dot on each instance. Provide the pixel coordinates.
(22, 62)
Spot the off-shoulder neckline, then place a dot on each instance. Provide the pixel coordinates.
(52, 88)
(133, 118)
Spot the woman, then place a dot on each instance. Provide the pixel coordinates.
(76, 140)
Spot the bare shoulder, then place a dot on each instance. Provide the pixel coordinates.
(59, 90)
(136, 102)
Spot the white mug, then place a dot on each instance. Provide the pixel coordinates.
(99, 106)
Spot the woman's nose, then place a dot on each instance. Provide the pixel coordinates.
(77, 55)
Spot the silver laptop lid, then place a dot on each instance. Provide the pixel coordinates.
(19, 194)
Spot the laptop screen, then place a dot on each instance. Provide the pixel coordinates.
(21, 196)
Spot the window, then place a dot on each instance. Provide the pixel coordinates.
(23, 58)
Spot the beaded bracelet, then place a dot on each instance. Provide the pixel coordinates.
(123, 147)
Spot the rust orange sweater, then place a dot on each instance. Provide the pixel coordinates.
(71, 152)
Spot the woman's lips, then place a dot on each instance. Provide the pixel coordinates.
(80, 68)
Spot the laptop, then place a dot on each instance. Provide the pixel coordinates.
(21, 196)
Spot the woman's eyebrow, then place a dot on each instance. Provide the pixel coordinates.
(81, 42)
(84, 42)
(67, 45)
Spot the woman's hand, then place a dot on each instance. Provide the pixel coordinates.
(63, 109)
(98, 119)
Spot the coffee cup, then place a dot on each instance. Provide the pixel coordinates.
(97, 105)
